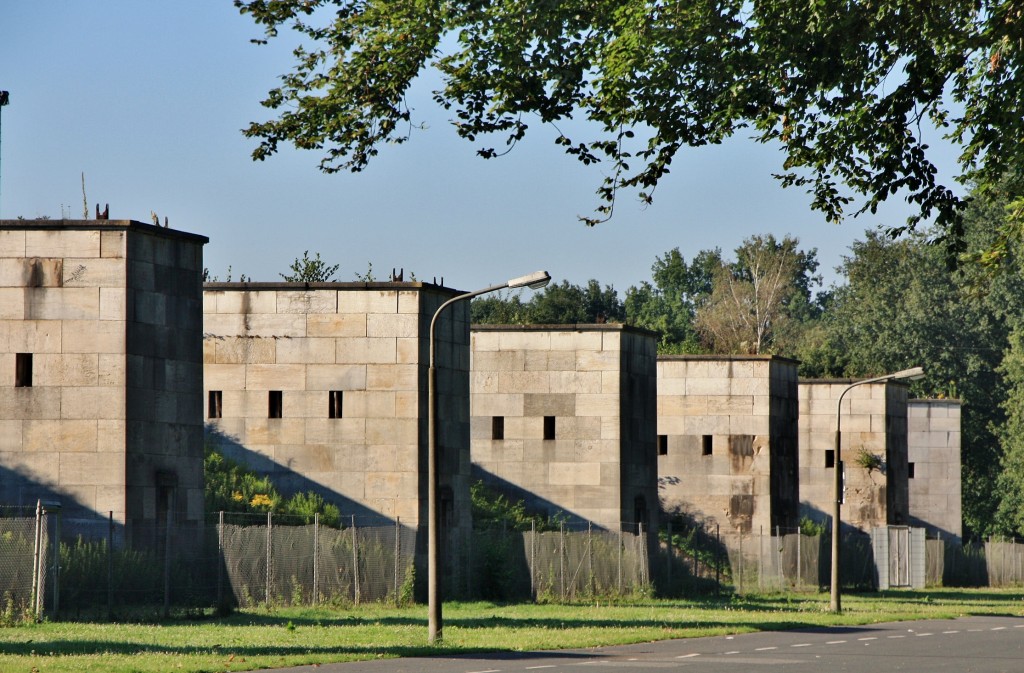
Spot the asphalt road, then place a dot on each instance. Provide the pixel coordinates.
(966, 645)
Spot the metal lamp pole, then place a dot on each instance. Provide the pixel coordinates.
(534, 281)
(837, 485)
(5, 98)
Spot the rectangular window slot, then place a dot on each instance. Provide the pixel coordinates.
(497, 427)
(335, 403)
(910, 470)
(830, 457)
(549, 427)
(215, 404)
(662, 445)
(275, 403)
(23, 370)
(706, 445)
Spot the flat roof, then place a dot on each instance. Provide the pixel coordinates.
(575, 327)
(725, 358)
(284, 286)
(100, 225)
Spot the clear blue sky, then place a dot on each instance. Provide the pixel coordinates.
(148, 98)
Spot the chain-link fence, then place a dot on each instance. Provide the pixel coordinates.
(246, 560)
(267, 560)
(697, 559)
(24, 556)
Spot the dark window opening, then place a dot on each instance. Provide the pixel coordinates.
(549, 427)
(662, 445)
(640, 513)
(497, 427)
(215, 404)
(830, 458)
(275, 403)
(335, 403)
(705, 445)
(23, 370)
(910, 470)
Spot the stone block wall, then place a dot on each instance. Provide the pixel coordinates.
(933, 447)
(563, 416)
(874, 429)
(106, 316)
(727, 434)
(348, 363)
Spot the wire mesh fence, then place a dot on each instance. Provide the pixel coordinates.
(248, 560)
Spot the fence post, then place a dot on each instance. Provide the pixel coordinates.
(220, 559)
(642, 560)
(718, 560)
(760, 558)
(316, 559)
(355, 562)
(36, 579)
(533, 559)
(561, 559)
(56, 565)
(619, 579)
(270, 557)
(799, 558)
(780, 543)
(590, 558)
(740, 559)
(110, 565)
(398, 555)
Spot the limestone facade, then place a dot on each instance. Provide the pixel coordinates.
(727, 440)
(564, 417)
(873, 450)
(323, 387)
(101, 345)
(933, 447)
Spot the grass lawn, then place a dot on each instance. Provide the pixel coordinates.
(260, 638)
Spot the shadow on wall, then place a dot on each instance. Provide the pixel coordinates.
(19, 494)
(288, 481)
(534, 503)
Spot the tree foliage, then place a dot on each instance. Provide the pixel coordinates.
(757, 302)
(311, 270)
(849, 90)
(668, 304)
(557, 304)
(903, 306)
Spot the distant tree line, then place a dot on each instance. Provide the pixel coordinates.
(899, 303)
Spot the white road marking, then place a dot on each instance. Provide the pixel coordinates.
(948, 632)
(921, 635)
(733, 652)
(868, 638)
(687, 656)
(765, 649)
(801, 645)
(975, 630)
(534, 668)
(998, 628)
(835, 642)
(897, 637)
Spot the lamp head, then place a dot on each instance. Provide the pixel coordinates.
(534, 281)
(912, 374)
(5, 97)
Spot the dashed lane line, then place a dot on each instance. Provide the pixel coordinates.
(868, 638)
(835, 642)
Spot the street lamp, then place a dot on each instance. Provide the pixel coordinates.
(911, 374)
(534, 281)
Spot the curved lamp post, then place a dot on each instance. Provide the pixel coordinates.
(837, 485)
(534, 281)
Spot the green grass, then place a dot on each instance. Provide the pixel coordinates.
(254, 639)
